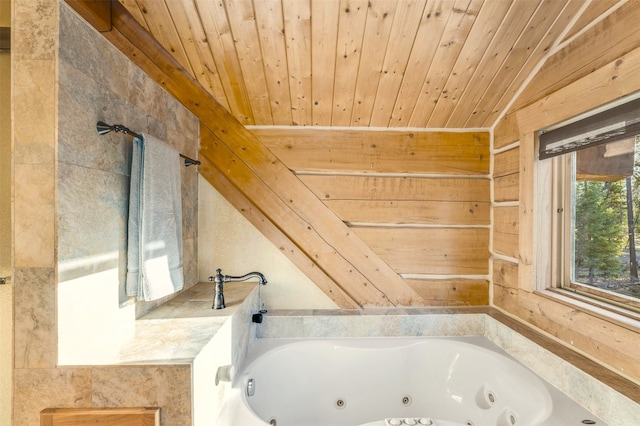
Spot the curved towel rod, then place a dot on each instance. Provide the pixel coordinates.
(104, 128)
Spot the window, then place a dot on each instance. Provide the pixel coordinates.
(598, 224)
(602, 244)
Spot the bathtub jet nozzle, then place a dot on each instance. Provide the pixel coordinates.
(218, 279)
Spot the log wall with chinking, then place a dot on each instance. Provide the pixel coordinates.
(420, 200)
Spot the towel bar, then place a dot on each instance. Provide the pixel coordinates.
(104, 128)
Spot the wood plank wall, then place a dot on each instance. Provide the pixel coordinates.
(578, 78)
(420, 200)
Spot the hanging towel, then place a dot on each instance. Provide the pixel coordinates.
(154, 257)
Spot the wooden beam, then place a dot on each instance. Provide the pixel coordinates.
(275, 235)
(314, 228)
(5, 38)
(248, 164)
(613, 81)
(610, 40)
(95, 12)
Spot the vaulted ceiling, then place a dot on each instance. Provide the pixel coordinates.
(365, 63)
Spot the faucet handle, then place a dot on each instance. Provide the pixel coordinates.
(217, 277)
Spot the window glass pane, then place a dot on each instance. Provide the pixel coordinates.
(606, 203)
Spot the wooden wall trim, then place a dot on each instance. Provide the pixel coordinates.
(614, 81)
(526, 217)
(609, 41)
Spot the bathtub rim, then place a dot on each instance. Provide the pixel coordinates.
(267, 346)
(593, 377)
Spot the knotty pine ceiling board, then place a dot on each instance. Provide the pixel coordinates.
(364, 63)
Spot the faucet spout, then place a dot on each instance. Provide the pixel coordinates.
(258, 275)
(218, 279)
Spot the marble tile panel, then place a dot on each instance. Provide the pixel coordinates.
(498, 333)
(35, 343)
(35, 29)
(190, 261)
(375, 325)
(146, 95)
(183, 129)
(189, 187)
(466, 325)
(168, 387)
(423, 325)
(327, 326)
(90, 53)
(280, 326)
(580, 387)
(82, 103)
(92, 215)
(34, 217)
(537, 359)
(34, 120)
(168, 342)
(601, 400)
(40, 388)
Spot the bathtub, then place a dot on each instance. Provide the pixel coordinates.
(392, 380)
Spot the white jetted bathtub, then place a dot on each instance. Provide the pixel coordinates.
(392, 381)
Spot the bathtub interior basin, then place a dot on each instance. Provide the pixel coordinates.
(383, 381)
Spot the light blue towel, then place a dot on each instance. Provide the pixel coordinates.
(154, 257)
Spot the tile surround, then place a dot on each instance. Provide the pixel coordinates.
(38, 388)
(35, 344)
(166, 386)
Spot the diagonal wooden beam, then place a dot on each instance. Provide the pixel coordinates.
(95, 12)
(264, 180)
(277, 237)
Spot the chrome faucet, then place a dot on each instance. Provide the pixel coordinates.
(219, 280)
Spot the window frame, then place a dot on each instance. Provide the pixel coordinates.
(563, 248)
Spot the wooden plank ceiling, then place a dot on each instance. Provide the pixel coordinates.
(364, 63)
